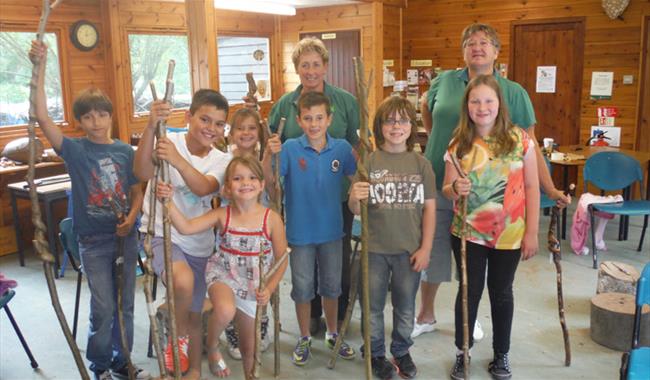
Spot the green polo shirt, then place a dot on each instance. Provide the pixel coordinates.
(345, 114)
(445, 97)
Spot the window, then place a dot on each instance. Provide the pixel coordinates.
(150, 55)
(241, 55)
(16, 73)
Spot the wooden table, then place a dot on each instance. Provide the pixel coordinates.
(588, 151)
(49, 190)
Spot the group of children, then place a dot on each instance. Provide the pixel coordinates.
(501, 189)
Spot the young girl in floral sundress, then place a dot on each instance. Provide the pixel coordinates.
(492, 163)
(245, 227)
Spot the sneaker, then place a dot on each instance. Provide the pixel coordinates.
(302, 352)
(422, 328)
(182, 351)
(233, 342)
(382, 368)
(345, 351)
(140, 374)
(104, 375)
(478, 332)
(499, 368)
(266, 336)
(314, 326)
(405, 367)
(458, 372)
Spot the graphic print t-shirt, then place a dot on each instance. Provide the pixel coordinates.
(399, 185)
(100, 174)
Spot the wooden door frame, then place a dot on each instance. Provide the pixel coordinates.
(645, 25)
(578, 73)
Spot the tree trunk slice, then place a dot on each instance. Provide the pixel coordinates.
(615, 277)
(612, 321)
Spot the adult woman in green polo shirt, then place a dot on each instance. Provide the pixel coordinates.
(440, 114)
(310, 59)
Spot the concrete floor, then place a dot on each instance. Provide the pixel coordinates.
(536, 353)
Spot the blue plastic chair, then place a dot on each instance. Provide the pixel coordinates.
(68, 240)
(611, 171)
(638, 366)
(4, 301)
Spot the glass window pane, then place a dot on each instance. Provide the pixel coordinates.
(16, 73)
(238, 56)
(150, 55)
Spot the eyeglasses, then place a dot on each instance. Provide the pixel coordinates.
(402, 122)
(481, 43)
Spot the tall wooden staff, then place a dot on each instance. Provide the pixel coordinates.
(161, 130)
(149, 273)
(463, 265)
(259, 310)
(364, 149)
(119, 280)
(555, 248)
(40, 243)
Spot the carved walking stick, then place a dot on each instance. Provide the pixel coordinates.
(463, 265)
(40, 244)
(119, 280)
(257, 350)
(167, 234)
(149, 272)
(555, 248)
(352, 298)
(364, 149)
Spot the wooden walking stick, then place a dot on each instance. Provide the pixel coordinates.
(119, 280)
(352, 298)
(555, 248)
(149, 272)
(40, 243)
(259, 310)
(364, 149)
(167, 234)
(463, 264)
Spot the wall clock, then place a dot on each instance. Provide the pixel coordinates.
(84, 35)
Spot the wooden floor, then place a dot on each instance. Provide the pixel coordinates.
(536, 353)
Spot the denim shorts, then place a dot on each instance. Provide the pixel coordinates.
(304, 259)
(197, 264)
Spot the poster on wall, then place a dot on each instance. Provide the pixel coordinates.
(605, 136)
(412, 76)
(601, 85)
(546, 76)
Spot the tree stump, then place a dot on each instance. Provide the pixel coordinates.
(615, 277)
(163, 321)
(612, 321)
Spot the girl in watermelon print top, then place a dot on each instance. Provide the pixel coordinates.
(499, 178)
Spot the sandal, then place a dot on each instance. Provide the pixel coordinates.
(217, 367)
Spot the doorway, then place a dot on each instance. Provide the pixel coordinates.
(558, 43)
(342, 45)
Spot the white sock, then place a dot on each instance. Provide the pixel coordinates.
(329, 335)
(599, 232)
(461, 352)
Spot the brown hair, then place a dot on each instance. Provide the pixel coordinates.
(209, 97)
(309, 45)
(247, 161)
(489, 31)
(313, 99)
(244, 113)
(91, 99)
(393, 105)
(465, 134)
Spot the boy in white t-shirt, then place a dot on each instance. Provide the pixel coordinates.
(196, 173)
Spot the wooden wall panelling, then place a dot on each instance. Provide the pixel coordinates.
(202, 43)
(432, 31)
(393, 47)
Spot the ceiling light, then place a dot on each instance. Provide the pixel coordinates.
(258, 6)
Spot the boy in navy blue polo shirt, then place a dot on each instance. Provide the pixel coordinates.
(313, 166)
